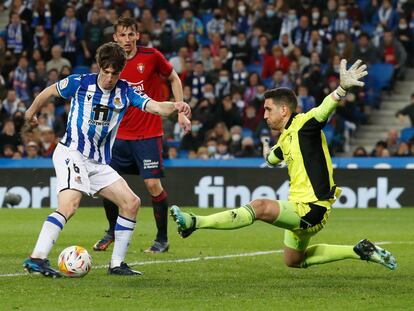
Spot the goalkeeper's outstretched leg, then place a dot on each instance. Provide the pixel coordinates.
(298, 232)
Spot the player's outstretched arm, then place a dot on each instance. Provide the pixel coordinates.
(177, 89)
(167, 108)
(347, 79)
(39, 101)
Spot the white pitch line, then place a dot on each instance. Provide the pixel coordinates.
(192, 259)
(182, 260)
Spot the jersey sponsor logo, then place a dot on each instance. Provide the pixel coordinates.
(141, 67)
(149, 164)
(138, 85)
(100, 115)
(63, 83)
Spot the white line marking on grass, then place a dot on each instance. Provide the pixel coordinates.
(389, 242)
(193, 259)
(182, 260)
(142, 263)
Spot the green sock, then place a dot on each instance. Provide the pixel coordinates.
(232, 219)
(324, 253)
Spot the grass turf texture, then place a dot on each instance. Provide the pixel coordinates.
(259, 282)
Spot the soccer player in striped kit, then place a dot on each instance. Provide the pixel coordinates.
(138, 145)
(81, 160)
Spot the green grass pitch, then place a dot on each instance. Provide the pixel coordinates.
(214, 276)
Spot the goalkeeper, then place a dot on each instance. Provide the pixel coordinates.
(302, 146)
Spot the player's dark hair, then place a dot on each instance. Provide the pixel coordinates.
(282, 95)
(111, 54)
(125, 22)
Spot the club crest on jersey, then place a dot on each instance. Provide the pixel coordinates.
(141, 67)
(117, 102)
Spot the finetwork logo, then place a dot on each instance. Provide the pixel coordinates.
(212, 192)
(233, 196)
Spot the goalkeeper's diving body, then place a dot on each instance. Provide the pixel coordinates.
(302, 146)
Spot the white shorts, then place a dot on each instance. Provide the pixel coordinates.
(75, 171)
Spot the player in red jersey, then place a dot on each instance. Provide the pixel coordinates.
(138, 145)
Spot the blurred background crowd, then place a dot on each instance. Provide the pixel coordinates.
(227, 53)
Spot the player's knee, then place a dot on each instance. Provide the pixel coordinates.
(154, 186)
(259, 206)
(134, 203)
(131, 205)
(292, 263)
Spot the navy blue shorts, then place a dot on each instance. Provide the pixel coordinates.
(138, 157)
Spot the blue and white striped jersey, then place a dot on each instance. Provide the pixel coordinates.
(95, 114)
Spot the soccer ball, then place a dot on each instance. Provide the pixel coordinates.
(74, 261)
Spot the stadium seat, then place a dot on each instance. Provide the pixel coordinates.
(407, 134)
(363, 4)
(379, 76)
(268, 83)
(80, 70)
(368, 28)
(183, 154)
(254, 68)
(246, 132)
(173, 143)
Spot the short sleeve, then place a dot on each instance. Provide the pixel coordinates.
(164, 67)
(137, 98)
(67, 87)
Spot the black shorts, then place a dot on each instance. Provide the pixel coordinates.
(138, 157)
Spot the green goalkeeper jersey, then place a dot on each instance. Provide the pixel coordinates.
(302, 145)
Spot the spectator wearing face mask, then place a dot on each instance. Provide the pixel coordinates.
(222, 87)
(406, 36)
(290, 22)
(48, 142)
(269, 22)
(342, 22)
(216, 24)
(211, 148)
(241, 49)
(341, 46)
(235, 139)
(315, 22)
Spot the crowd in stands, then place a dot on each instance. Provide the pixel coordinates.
(227, 53)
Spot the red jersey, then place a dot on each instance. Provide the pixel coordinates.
(146, 71)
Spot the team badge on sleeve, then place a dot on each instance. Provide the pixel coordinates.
(141, 67)
(63, 83)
